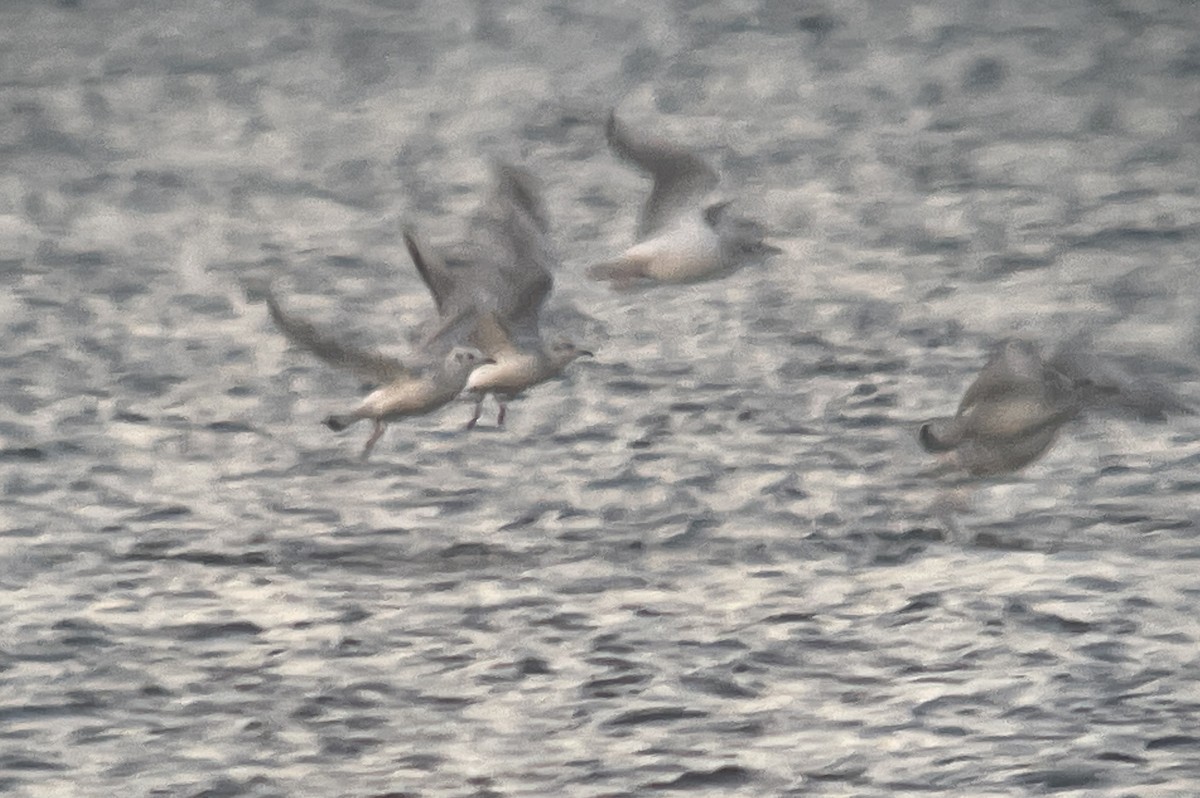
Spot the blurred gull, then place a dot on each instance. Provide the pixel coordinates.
(681, 236)
(494, 300)
(1013, 410)
(505, 267)
(515, 369)
(1009, 416)
(403, 392)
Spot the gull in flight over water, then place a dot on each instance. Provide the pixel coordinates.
(682, 236)
(1012, 412)
(403, 391)
(1009, 416)
(514, 368)
(494, 300)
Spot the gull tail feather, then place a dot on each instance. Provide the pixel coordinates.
(339, 422)
(931, 436)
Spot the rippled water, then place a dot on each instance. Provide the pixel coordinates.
(712, 561)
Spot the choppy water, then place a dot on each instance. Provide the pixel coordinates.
(705, 563)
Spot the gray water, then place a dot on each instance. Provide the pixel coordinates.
(709, 562)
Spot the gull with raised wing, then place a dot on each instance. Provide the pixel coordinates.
(403, 391)
(683, 236)
(494, 300)
(504, 267)
(1009, 416)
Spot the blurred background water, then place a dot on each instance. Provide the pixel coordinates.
(704, 563)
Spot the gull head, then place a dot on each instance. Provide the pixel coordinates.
(464, 359)
(740, 237)
(562, 353)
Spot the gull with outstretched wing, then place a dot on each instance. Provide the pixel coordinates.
(403, 391)
(1009, 416)
(495, 299)
(683, 235)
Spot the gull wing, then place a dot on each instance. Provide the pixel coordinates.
(518, 187)
(453, 293)
(517, 276)
(681, 177)
(528, 271)
(1016, 391)
(436, 275)
(510, 272)
(490, 336)
(448, 333)
(372, 366)
(1122, 388)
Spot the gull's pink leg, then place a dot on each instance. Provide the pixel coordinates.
(500, 415)
(379, 428)
(478, 412)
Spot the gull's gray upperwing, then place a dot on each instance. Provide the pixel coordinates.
(433, 270)
(681, 177)
(510, 271)
(372, 366)
(524, 259)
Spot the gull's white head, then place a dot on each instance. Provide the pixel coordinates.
(562, 353)
(464, 359)
(740, 237)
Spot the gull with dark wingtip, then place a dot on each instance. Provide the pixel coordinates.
(683, 236)
(404, 391)
(1009, 416)
(495, 299)
(1012, 412)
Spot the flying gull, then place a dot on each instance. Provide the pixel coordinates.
(1009, 416)
(682, 235)
(403, 392)
(494, 300)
